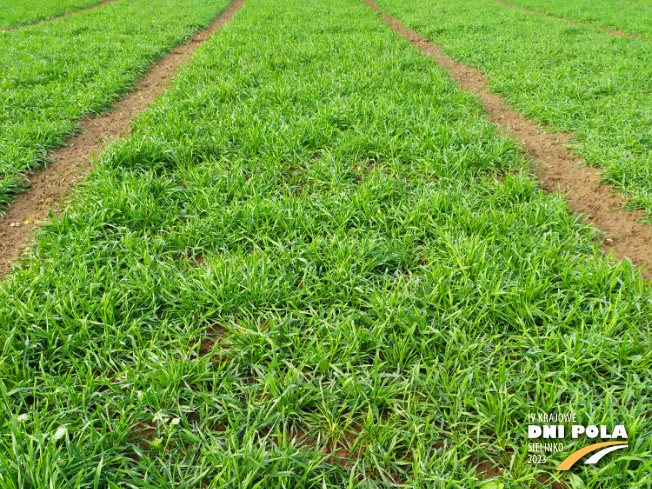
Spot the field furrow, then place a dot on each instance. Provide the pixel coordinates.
(48, 188)
(314, 263)
(16, 13)
(560, 172)
(570, 78)
(56, 73)
(629, 18)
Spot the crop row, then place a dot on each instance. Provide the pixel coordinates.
(573, 78)
(632, 17)
(314, 263)
(55, 73)
(14, 13)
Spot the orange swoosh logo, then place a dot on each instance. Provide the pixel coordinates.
(575, 456)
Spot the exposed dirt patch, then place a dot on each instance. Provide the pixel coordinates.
(192, 260)
(214, 335)
(334, 453)
(66, 14)
(49, 186)
(561, 170)
(487, 470)
(145, 434)
(613, 32)
(545, 480)
(342, 452)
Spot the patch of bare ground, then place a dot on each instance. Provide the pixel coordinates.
(545, 481)
(613, 32)
(145, 433)
(214, 339)
(342, 452)
(346, 452)
(560, 170)
(192, 260)
(47, 188)
(61, 16)
(488, 469)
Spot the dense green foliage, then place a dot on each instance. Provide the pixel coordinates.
(328, 201)
(631, 16)
(574, 78)
(52, 74)
(14, 13)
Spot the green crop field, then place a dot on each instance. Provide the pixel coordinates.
(314, 262)
(633, 17)
(55, 73)
(574, 78)
(15, 13)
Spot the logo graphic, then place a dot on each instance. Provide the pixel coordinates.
(547, 432)
(595, 458)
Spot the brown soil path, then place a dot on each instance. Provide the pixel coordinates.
(67, 164)
(561, 170)
(60, 16)
(613, 32)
